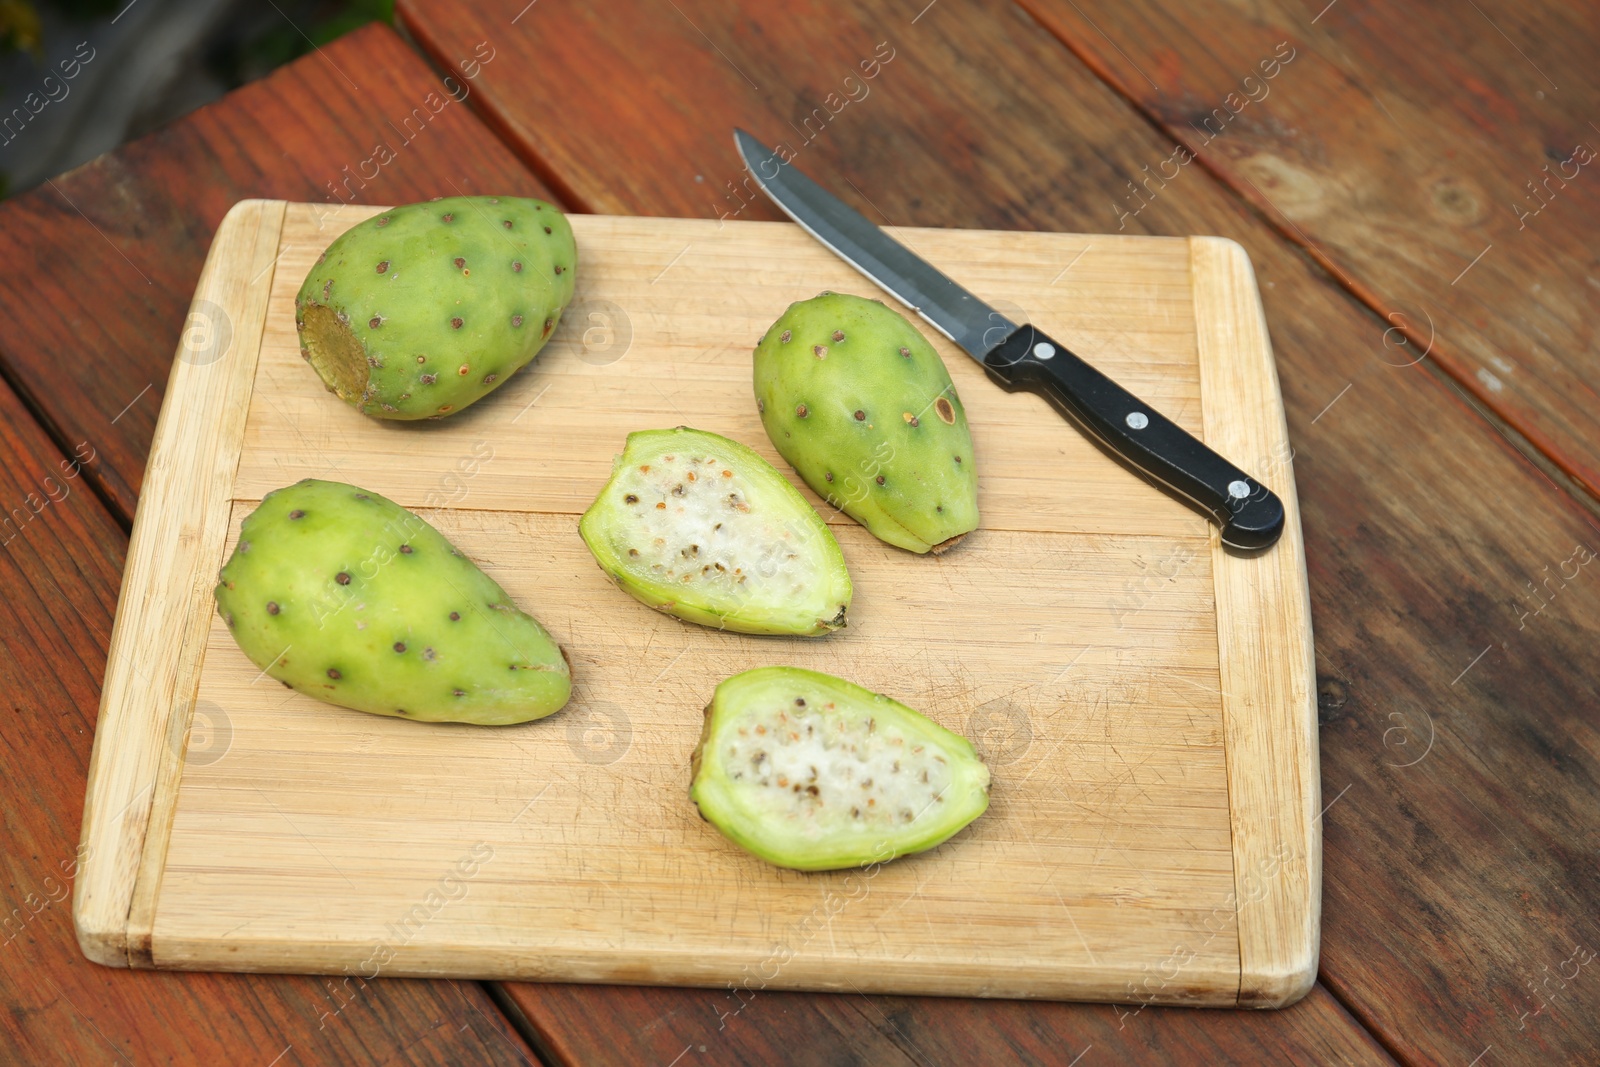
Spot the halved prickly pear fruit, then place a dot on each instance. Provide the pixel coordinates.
(857, 400)
(350, 598)
(700, 527)
(420, 311)
(809, 771)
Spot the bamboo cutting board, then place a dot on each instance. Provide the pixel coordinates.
(1144, 698)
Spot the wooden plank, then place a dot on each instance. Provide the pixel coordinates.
(818, 1031)
(154, 668)
(603, 880)
(1412, 575)
(1432, 158)
(646, 343)
(100, 263)
(1267, 682)
(1134, 806)
(61, 555)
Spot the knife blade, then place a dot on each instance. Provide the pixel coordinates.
(1024, 358)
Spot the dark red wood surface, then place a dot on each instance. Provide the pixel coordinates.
(1399, 143)
(1458, 745)
(619, 1025)
(1450, 883)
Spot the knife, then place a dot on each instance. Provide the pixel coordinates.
(1023, 357)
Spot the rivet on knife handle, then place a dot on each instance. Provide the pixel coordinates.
(1250, 514)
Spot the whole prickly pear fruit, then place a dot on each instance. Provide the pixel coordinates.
(419, 311)
(809, 771)
(860, 404)
(350, 598)
(700, 527)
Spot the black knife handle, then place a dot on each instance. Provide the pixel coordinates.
(1250, 514)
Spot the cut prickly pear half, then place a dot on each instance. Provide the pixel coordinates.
(812, 772)
(350, 598)
(860, 404)
(424, 309)
(700, 527)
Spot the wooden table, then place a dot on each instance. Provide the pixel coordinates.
(1412, 187)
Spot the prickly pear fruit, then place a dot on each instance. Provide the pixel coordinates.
(350, 598)
(809, 771)
(419, 311)
(862, 407)
(700, 527)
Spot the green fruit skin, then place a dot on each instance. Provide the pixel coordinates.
(604, 530)
(911, 483)
(347, 597)
(395, 326)
(725, 803)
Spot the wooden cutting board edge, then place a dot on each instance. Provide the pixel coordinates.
(137, 757)
(1268, 686)
(1267, 680)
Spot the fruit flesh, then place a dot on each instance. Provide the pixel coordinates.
(860, 404)
(812, 772)
(351, 599)
(702, 528)
(424, 309)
